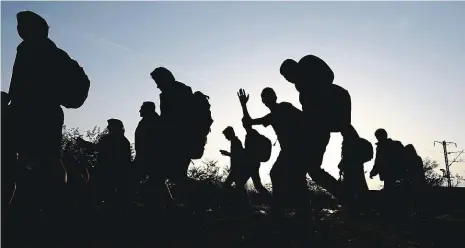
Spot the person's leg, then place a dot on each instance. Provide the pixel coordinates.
(243, 202)
(280, 182)
(258, 183)
(315, 159)
(299, 192)
(45, 150)
(178, 175)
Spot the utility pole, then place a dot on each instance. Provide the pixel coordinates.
(446, 158)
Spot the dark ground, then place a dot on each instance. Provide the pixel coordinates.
(323, 229)
(176, 227)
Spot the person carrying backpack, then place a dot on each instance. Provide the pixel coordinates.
(390, 161)
(257, 150)
(356, 151)
(174, 117)
(288, 174)
(44, 78)
(390, 165)
(326, 108)
(185, 123)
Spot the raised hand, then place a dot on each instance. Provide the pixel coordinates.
(243, 97)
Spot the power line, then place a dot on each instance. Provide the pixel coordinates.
(446, 158)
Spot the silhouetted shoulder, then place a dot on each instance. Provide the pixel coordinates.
(288, 109)
(126, 141)
(181, 87)
(285, 105)
(338, 92)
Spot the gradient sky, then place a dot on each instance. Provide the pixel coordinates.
(402, 62)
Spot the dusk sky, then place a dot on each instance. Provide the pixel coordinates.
(402, 62)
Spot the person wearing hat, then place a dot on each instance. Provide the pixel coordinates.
(114, 161)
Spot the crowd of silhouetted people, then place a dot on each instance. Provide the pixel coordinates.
(40, 175)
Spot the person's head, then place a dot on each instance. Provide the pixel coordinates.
(5, 98)
(146, 109)
(269, 97)
(290, 70)
(162, 77)
(381, 134)
(115, 126)
(229, 133)
(246, 125)
(315, 72)
(31, 26)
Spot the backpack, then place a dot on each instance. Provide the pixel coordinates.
(200, 125)
(260, 146)
(332, 108)
(366, 150)
(72, 80)
(337, 108)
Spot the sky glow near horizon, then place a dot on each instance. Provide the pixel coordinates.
(402, 62)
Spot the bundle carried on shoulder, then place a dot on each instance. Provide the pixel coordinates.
(72, 80)
(334, 103)
(200, 124)
(366, 150)
(258, 147)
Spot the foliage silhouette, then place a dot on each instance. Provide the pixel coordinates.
(436, 179)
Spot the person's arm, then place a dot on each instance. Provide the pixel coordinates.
(18, 74)
(375, 170)
(128, 152)
(225, 153)
(87, 144)
(247, 120)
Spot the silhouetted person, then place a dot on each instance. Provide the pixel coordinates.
(255, 146)
(186, 120)
(356, 151)
(288, 174)
(148, 148)
(174, 113)
(113, 166)
(238, 173)
(236, 158)
(390, 166)
(389, 162)
(38, 119)
(415, 176)
(326, 107)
